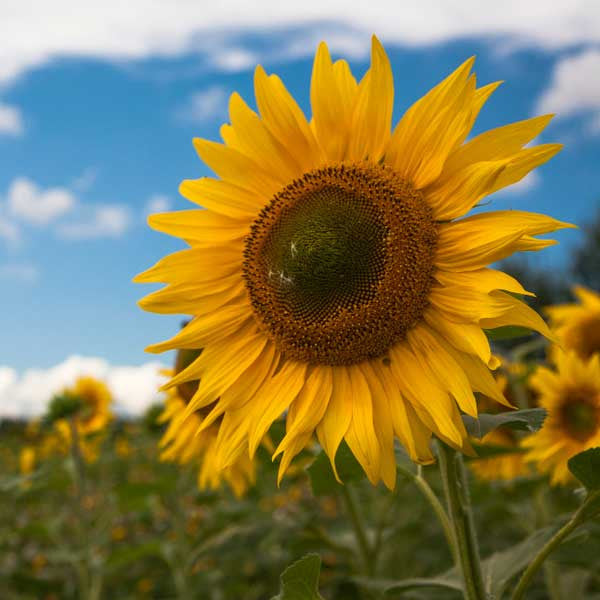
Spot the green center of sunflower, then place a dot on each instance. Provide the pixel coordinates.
(339, 264)
(580, 414)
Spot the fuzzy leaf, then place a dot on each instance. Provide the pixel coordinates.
(586, 467)
(530, 419)
(300, 581)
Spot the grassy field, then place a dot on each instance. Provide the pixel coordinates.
(139, 528)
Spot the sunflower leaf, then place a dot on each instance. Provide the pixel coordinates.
(394, 589)
(321, 474)
(300, 581)
(530, 419)
(585, 466)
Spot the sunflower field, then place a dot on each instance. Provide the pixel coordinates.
(366, 401)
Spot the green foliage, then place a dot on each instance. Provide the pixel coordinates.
(585, 466)
(530, 420)
(510, 332)
(63, 406)
(322, 477)
(300, 581)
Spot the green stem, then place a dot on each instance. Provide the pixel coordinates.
(359, 530)
(435, 504)
(580, 517)
(461, 517)
(78, 471)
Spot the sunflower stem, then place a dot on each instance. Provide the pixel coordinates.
(579, 517)
(359, 529)
(461, 518)
(440, 512)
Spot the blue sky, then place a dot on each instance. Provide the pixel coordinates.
(91, 140)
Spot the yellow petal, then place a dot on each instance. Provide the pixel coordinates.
(372, 116)
(479, 375)
(237, 169)
(361, 435)
(383, 424)
(307, 410)
(495, 144)
(430, 401)
(274, 398)
(524, 162)
(466, 337)
(199, 224)
(193, 264)
(223, 197)
(336, 420)
(195, 298)
(284, 119)
(449, 375)
(481, 239)
(413, 150)
(483, 280)
(517, 313)
(332, 98)
(254, 139)
(459, 193)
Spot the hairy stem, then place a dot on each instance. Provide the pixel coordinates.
(359, 529)
(435, 504)
(461, 517)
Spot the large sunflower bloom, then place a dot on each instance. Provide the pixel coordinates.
(578, 325)
(571, 395)
(181, 444)
(331, 274)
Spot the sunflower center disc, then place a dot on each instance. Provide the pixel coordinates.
(580, 415)
(339, 264)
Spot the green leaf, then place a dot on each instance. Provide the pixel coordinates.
(508, 333)
(300, 581)
(499, 568)
(391, 589)
(321, 475)
(585, 466)
(490, 450)
(407, 585)
(530, 419)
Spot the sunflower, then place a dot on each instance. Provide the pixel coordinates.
(331, 275)
(94, 400)
(180, 442)
(578, 325)
(571, 395)
(27, 459)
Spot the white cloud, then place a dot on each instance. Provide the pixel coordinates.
(205, 105)
(27, 394)
(86, 180)
(235, 59)
(575, 88)
(21, 272)
(27, 201)
(105, 220)
(157, 203)
(9, 231)
(139, 29)
(11, 120)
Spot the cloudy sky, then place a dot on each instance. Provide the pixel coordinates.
(99, 103)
